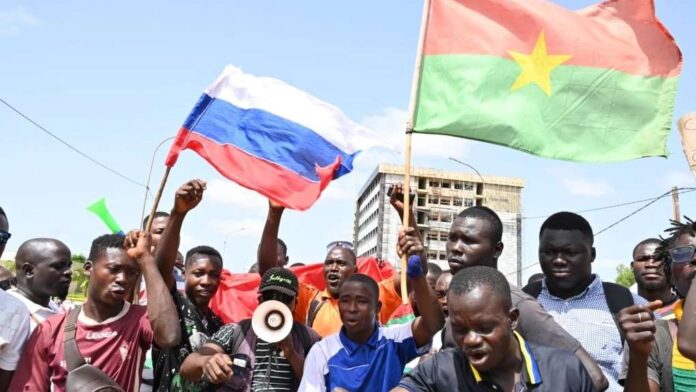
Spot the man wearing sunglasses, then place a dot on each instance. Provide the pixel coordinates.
(318, 309)
(651, 278)
(662, 352)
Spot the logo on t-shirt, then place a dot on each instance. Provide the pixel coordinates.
(101, 335)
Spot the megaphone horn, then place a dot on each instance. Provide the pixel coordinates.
(272, 321)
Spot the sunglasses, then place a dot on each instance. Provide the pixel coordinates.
(4, 236)
(682, 254)
(340, 244)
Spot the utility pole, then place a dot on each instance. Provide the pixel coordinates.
(675, 203)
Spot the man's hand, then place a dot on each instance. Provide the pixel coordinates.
(188, 196)
(396, 198)
(137, 244)
(218, 368)
(273, 206)
(409, 243)
(638, 324)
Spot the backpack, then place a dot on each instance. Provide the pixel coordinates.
(81, 376)
(617, 297)
(317, 302)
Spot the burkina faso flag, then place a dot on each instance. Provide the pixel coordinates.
(594, 85)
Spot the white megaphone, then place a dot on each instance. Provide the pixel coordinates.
(272, 321)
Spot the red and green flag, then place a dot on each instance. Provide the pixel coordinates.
(594, 85)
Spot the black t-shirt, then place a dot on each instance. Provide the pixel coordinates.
(196, 328)
(449, 370)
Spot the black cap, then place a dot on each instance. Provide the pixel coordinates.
(281, 280)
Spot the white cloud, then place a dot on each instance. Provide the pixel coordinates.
(583, 187)
(391, 124)
(13, 20)
(246, 227)
(228, 192)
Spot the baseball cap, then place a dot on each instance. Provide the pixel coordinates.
(279, 279)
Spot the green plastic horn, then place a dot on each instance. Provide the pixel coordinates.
(99, 209)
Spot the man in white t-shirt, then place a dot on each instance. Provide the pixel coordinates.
(14, 331)
(43, 271)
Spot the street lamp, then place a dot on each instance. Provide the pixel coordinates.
(149, 175)
(470, 167)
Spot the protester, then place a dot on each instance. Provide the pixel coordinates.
(662, 354)
(576, 298)
(364, 356)
(491, 355)
(7, 279)
(475, 239)
(441, 289)
(651, 277)
(4, 231)
(43, 271)
(159, 222)
(264, 366)
(319, 309)
(14, 331)
(434, 272)
(111, 334)
(202, 270)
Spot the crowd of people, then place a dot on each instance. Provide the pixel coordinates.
(464, 329)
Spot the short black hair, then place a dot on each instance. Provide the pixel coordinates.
(104, 242)
(434, 269)
(282, 245)
(488, 215)
(158, 214)
(365, 280)
(565, 220)
(471, 278)
(202, 250)
(2, 212)
(648, 241)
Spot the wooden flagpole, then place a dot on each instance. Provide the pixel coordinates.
(409, 133)
(148, 226)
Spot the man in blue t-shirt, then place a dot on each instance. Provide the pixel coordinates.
(364, 356)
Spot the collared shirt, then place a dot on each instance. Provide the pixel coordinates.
(587, 317)
(545, 369)
(327, 319)
(14, 330)
(377, 365)
(37, 313)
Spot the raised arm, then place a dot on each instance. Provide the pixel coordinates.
(431, 319)
(268, 248)
(160, 307)
(396, 199)
(186, 198)
(638, 324)
(686, 336)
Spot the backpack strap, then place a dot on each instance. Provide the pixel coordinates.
(72, 355)
(618, 298)
(317, 302)
(303, 335)
(533, 289)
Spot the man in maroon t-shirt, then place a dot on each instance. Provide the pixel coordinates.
(112, 334)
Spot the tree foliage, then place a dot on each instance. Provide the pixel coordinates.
(624, 276)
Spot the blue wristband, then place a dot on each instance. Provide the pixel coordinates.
(415, 268)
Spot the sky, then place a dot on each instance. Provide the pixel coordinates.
(116, 79)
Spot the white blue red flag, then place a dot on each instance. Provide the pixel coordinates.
(271, 137)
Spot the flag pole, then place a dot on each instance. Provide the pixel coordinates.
(148, 226)
(409, 134)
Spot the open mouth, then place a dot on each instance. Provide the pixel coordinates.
(476, 357)
(332, 279)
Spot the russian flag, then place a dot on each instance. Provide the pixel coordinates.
(271, 137)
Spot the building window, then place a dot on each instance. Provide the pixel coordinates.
(434, 184)
(457, 201)
(468, 186)
(445, 184)
(468, 202)
(445, 201)
(433, 200)
(443, 256)
(444, 217)
(458, 185)
(433, 236)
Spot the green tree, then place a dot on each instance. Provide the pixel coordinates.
(624, 276)
(9, 264)
(79, 278)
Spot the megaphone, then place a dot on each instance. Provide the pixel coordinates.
(272, 321)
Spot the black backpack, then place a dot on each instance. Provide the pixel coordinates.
(617, 297)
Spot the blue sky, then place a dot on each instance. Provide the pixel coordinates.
(115, 79)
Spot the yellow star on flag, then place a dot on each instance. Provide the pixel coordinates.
(537, 67)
